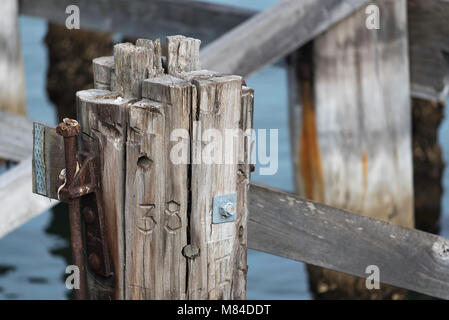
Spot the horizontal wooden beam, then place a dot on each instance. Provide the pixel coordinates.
(274, 33)
(285, 225)
(142, 18)
(16, 136)
(18, 203)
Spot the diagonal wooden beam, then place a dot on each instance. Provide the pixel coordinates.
(16, 136)
(288, 226)
(18, 203)
(272, 34)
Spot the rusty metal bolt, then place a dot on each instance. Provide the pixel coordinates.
(89, 215)
(68, 128)
(94, 262)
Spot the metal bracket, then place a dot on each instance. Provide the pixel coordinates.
(48, 162)
(224, 208)
(86, 187)
(39, 159)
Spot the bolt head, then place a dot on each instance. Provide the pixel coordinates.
(68, 128)
(227, 210)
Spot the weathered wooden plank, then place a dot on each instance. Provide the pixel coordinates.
(18, 203)
(428, 31)
(218, 108)
(12, 77)
(133, 64)
(353, 141)
(102, 69)
(274, 33)
(288, 226)
(141, 18)
(103, 117)
(243, 178)
(16, 136)
(157, 191)
(183, 54)
(429, 48)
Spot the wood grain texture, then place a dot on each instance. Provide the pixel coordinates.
(157, 191)
(16, 136)
(183, 54)
(103, 117)
(367, 163)
(274, 33)
(133, 64)
(288, 226)
(429, 48)
(12, 77)
(218, 107)
(142, 18)
(102, 69)
(352, 144)
(240, 249)
(18, 203)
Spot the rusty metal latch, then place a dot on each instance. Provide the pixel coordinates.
(86, 187)
(81, 189)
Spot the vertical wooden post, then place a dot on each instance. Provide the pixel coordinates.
(352, 128)
(103, 117)
(158, 182)
(12, 78)
(157, 192)
(211, 275)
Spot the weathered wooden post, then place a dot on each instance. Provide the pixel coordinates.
(351, 128)
(12, 77)
(175, 222)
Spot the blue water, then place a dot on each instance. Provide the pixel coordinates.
(33, 258)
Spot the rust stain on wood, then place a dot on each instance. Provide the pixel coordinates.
(309, 153)
(365, 170)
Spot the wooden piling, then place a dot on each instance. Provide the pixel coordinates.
(12, 77)
(158, 186)
(351, 128)
(103, 117)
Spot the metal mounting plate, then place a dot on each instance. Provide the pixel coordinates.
(40, 185)
(220, 201)
(48, 160)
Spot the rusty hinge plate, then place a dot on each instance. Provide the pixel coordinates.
(48, 165)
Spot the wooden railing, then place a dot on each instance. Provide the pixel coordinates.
(283, 224)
